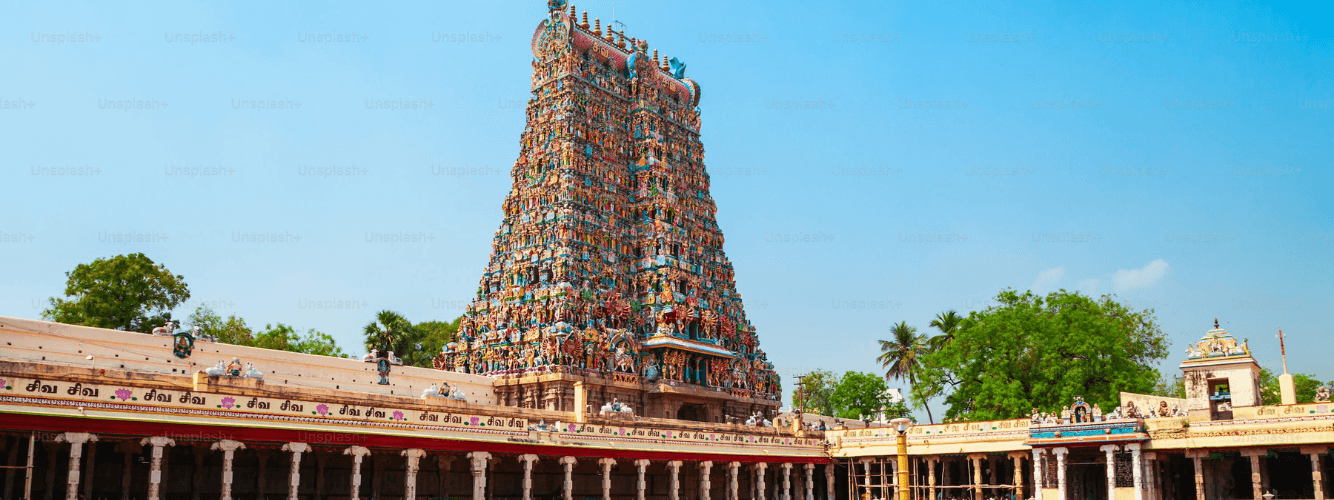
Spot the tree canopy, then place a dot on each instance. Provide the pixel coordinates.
(282, 337)
(1030, 351)
(125, 292)
(816, 392)
(860, 394)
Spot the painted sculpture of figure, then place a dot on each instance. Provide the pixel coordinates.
(434, 391)
(1322, 394)
(382, 367)
(1163, 410)
(1097, 413)
(371, 356)
(217, 370)
(251, 372)
(1036, 417)
(166, 330)
(234, 368)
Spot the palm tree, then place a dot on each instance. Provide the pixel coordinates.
(948, 323)
(391, 332)
(899, 356)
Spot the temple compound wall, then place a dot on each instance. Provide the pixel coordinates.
(112, 414)
(1217, 443)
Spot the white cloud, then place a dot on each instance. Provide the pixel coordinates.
(1146, 276)
(1048, 279)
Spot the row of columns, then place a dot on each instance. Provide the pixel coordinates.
(976, 461)
(1258, 481)
(477, 460)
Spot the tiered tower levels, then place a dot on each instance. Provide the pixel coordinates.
(609, 261)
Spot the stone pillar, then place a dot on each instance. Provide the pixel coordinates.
(705, 468)
(931, 477)
(294, 475)
(733, 470)
(357, 453)
(759, 479)
(527, 462)
(674, 488)
(606, 464)
(155, 474)
(1060, 472)
(76, 441)
(1151, 475)
(1110, 450)
(641, 466)
(1257, 484)
(1039, 475)
(829, 481)
(787, 480)
(977, 475)
(478, 461)
(866, 476)
(810, 481)
(568, 464)
(1018, 458)
(1137, 466)
(1198, 457)
(1317, 478)
(87, 472)
(228, 448)
(414, 456)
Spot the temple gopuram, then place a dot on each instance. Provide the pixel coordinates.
(607, 280)
(606, 355)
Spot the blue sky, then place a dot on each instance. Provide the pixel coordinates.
(925, 155)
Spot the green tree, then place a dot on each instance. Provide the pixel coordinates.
(818, 394)
(1030, 351)
(284, 337)
(125, 292)
(860, 394)
(899, 356)
(1271, 393)
(1173, 388)
(434, 335)
(391, 332)
(317, 342)
(232, 330)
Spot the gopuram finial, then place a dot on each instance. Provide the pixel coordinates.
(1215, 323)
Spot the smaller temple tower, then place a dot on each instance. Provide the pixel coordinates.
(1220, 375)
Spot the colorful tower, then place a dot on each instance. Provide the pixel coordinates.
(608, 268)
